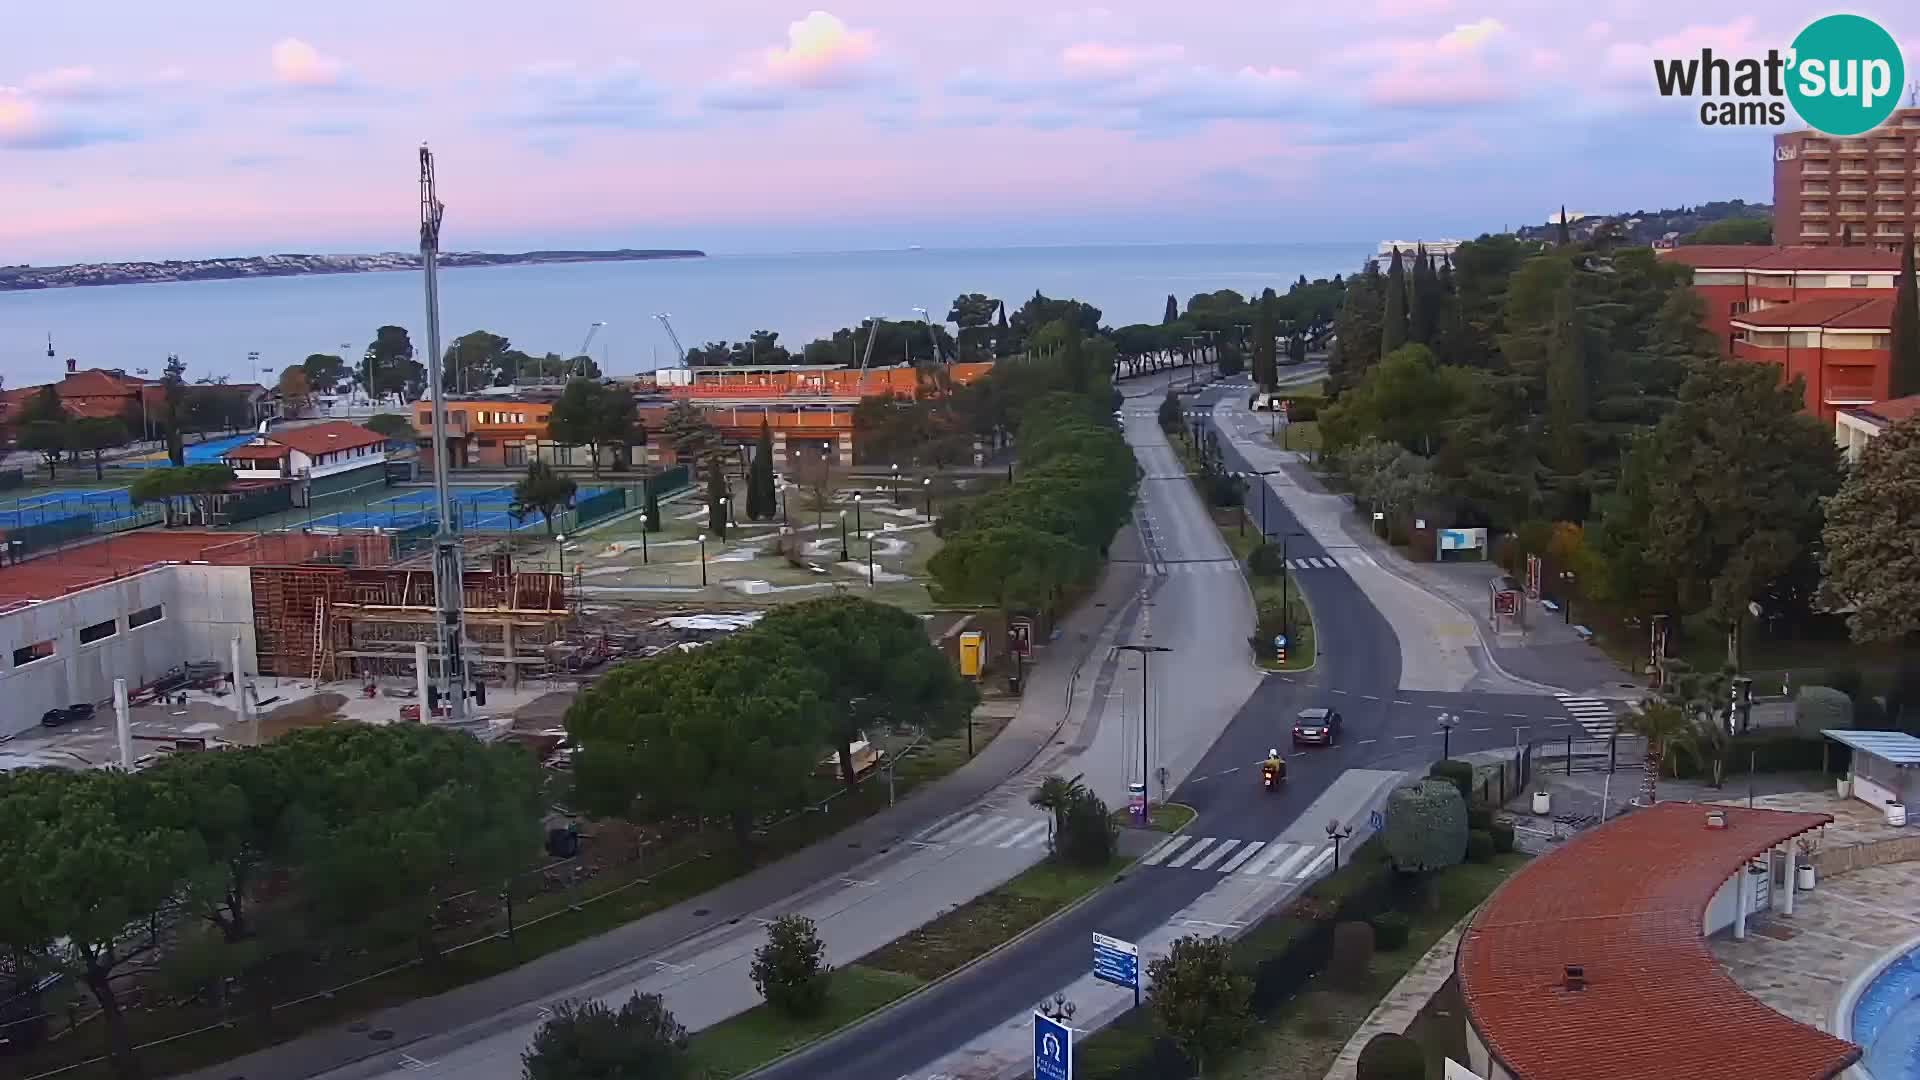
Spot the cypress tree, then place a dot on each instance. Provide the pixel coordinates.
(1563, 234)
(1567, 399)
(716, 496)
(1265, 364)
(762, 500)
(1903, 374)
(1173, 312)
(1421, 316)
(1393, 330)
(650, 517)
(1356, 331)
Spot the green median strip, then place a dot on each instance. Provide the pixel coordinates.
(1166, 817)
(761, 1034)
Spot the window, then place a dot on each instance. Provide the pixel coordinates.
(1857, 281)
(146, 616)
(515, 455)
(1739, 307)
(99, 631)
(27, 654)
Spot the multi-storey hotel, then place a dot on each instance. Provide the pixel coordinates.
(1860, 191)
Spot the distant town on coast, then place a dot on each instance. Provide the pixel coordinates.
(17, 278)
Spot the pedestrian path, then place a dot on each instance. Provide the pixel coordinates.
(1207, 854)
(1595, 716)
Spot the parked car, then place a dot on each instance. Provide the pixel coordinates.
(1317, 727)
(82, 711)
(55, 718)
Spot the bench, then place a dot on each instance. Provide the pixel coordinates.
(1583, 633)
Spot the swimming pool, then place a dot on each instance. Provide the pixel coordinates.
(1886, 1020)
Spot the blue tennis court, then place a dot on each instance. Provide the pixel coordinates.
(472, 519)
(90, 495)
(105, 505)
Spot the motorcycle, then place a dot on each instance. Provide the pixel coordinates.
(1271, 775)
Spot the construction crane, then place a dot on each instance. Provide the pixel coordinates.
(933, 339)
(874, 322)
(665, 320)
(588, 343)
(449, 575)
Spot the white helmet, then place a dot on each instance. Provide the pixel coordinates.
(1273, 753)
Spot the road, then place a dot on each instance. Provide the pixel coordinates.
(1249, 849)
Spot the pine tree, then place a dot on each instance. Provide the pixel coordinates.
(650, 517)
(1563, 235)
(1266, 369)
(1002, 336)
(1567, 400)
(762, 500)
(1393, 330)
(1903, 375)
(1173, 311)
(1356, 331)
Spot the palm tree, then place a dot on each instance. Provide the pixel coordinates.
(1055, 795)
(1667, 729)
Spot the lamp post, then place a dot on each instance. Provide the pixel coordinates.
(703, 560)
(896, 484)
(1566, 596)
(1240, 479)
(843, 536)
(1286, 602)
(856, 513)
(560, 549)
(726, 515)
(1446, 722)
(1337, 832)
(1058, 1009)
(927, 486)
(870, 542)
(1143, 650)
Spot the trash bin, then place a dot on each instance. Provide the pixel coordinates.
(1542, 803)
(1843, 787)
(1897, 814)
(1013, 683)
(1805, 876)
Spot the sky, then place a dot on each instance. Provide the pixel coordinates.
(217, 127)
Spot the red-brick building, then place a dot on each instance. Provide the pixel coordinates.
(1841, 346)
(1736, 279)
(1863, 190)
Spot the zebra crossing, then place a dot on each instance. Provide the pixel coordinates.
(1594, 715)
(1272, 860)
(1352, 560)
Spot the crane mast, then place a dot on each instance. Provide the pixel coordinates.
(873, 332)
(592, 332)
(449, 575)
(679, 349)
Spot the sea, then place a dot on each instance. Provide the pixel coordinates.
(218, 327)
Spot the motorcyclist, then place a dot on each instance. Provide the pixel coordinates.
(1272, 764)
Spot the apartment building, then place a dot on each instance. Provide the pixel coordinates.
(1841, 347)
(1860, 191)
(1739, 279)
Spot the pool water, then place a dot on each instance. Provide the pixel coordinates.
(1886, 1021)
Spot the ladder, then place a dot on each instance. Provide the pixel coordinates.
(319, 637)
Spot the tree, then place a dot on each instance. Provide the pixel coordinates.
(1199, 998)
(173, 400)
(1735, 477)
(719, 495)
(296, 393)
(1423, 312)
(1666, 728)
(1388, 1056)
(1903, 378)
(650, 516)
(791, 970)
(95, 435)
(1087, 835)
(49, 438)
(1561, 235)
(1741, 230)
(89, 860)
(1357, 331)
(1872, 547)
(731, 730)
(245, 807)
(1393, 327)
(475, 361)
(1014, 567)
(879, 667)
(1266, 365)
(394, 426)
(1426, 827)
(585, 1040)
(390, 363)
(44, 407)
(542, 491)
(973, 314)
(763, 500)
(195, 483)
(1567, 390)
(1056, 795)
(325, 372)
(1172, 314)
(591, 415)
(1407, 399)
(692, 437)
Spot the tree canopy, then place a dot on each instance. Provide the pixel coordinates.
(1872, 546)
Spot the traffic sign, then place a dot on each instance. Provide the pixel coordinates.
(1279, 641)
(1052, 1049)
(1020, 631)
(1375, 821)
(1116, 961)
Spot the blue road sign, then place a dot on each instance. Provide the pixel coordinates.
(1279, 641)
(1052, 1049)
(1375, 821)
(1116, 961)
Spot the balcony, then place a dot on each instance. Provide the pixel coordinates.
(1890, 168)
(1891, 149)
(1853, 210)
(1816, 146)
(1811, 169)
(1814, 210)
(1814, 189)
(1853, 168)
(1853, 146)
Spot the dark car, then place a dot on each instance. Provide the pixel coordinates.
(82, 711)
(1319, 727)
(68, 715)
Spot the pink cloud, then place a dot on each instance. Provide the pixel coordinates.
(1094, 57)
(821, 51)
(19, 117)
(1634, 60)
(296, 63)
(66, 84)
(1401, 9)
(1453, 69)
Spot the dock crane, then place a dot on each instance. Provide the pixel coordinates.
(592, 331)
(449, 575)
(681, 350)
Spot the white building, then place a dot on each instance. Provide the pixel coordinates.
(1854, 428)
(320, 458)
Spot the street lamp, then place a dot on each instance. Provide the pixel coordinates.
(1240, 479)
(896, 484)
(1337, 832)
(870, 543)
(856, 513)
(1286, 603)
(1143, 650)
(560, 548)
(1059, 1009)
(1446, 722)
(726, 516)
(703, 560)
(1566, 596)
(843, 536)
(927, 486)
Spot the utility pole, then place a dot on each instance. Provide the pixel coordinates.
(449, 575)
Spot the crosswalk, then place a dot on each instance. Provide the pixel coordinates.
(1594, 715)
(1272, 860)
(1351, 560)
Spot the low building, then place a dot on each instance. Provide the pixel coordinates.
(1733, 280)
(318, 459)
(1854, 428)
(1841, 346)
(1592, 960)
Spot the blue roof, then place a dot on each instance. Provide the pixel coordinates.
(1895, 746)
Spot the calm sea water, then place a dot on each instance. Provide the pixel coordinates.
(213, 325)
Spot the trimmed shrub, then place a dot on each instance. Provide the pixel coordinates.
(1350, 965)
(1266, 561)
(1426, 826)
(1816, 708)
(1390, 930)
(1459, 773)
(1391, 1057)
(1479, 846)
(1502, 833)
(790, 970)
(1480, 817)
(1088, 835)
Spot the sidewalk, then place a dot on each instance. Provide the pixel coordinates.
(1043, 710)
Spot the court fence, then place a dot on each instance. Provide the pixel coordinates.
(12, 478)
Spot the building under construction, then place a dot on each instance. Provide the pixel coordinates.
(324, 623)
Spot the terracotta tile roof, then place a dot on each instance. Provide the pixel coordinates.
(1626, 902)
(1760, 257)
(1883, 413)
(114, 407)
(258, 452)
(97, 383)
(1833, 313)
(326, 438)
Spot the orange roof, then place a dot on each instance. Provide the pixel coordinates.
(1626, 901)
(1883, 413)
(99, 407)
(258, 452)
(326, 438)
(95, 382)
(1762, 258)
(1832, 313)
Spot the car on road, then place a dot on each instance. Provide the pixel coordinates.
(1316, 727)
(68, 715)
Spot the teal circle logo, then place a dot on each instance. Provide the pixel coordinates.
(1846, 75)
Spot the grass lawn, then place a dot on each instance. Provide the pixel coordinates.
(1300, 1039)
(1304, 435)
(759, 1035)
(1269, 592)
(990, 920)
(1164, 817)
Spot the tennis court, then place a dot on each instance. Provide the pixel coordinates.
(106, 505)
(200, 453)
(471, 519)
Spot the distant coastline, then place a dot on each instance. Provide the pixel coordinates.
(80, 275)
